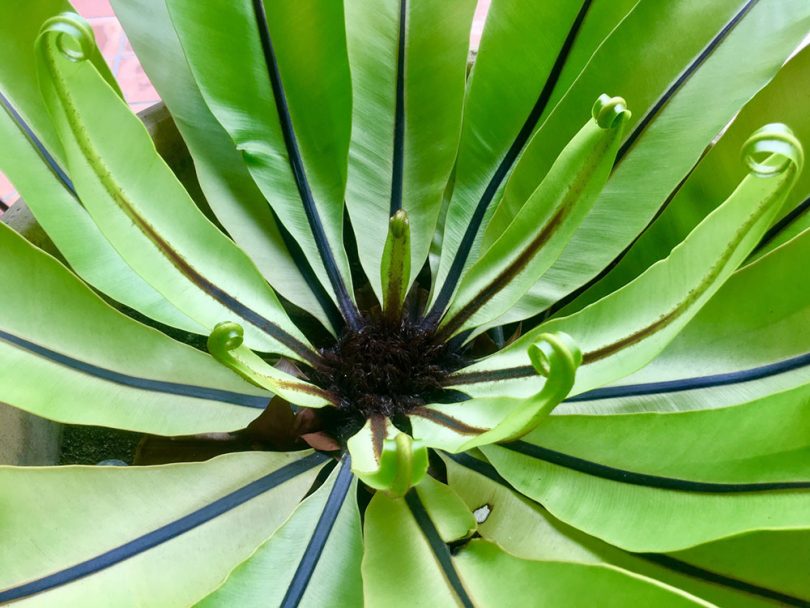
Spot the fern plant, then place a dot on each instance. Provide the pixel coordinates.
(497, 337)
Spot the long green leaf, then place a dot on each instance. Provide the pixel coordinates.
(716, 175)
(408, 63)
(625, 330)
(729, 353)
(701, 571)
(599, 20)
(67, 542)
(70, 357)
(518, 256)
(32, 158)
(761, 441)
(289, 115)
(229, 188)
(312, 560)
(143, 210)
(643, 78)
(702, 492)
(505, 99)
(492, 572)
(18, 78)
(412, 565)
(59, 211)
(683, 89)
(770, 559)
(406, 561)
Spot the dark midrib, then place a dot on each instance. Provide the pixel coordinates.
(460, 259)
(37, 143)
(378, 433)
(217, 293)
(480, 467)
(320, 536)
(165, 533)
(681, 80)
(665, 561)
(438, 547)
(146, 384)
(603, 471)
(786, 221)
(305, 268)
(293, 247)
(446, 420)
(674, 386)
(688, 569)
(399, 114)
(631, 139)
(345, 303)
(178, 261)
(493, 375)
(644, 388)
(504, 277)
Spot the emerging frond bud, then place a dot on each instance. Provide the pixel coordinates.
(225, 345)
(387, 459)
(395, 268)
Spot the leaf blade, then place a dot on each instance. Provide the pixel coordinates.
(229, 188)
(145, 552)
(408, 62)
(173, 247)
(614, 343)
(641, 183)
(101, 367)
(293, 136)
(313, 559)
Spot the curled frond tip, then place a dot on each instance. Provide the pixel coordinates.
(779, 146)
(74, 36)
(610, 112)
(225, 337)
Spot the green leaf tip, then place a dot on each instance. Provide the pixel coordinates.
(399, 223)
(70, 36)
(610, 112)
(74, 36)
(556, 357)
(409, 459)
(225, 337)
(777, 141)
(224, 340)
(555, 353)
(387, 459)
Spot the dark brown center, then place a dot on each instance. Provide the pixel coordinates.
(385, 369)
